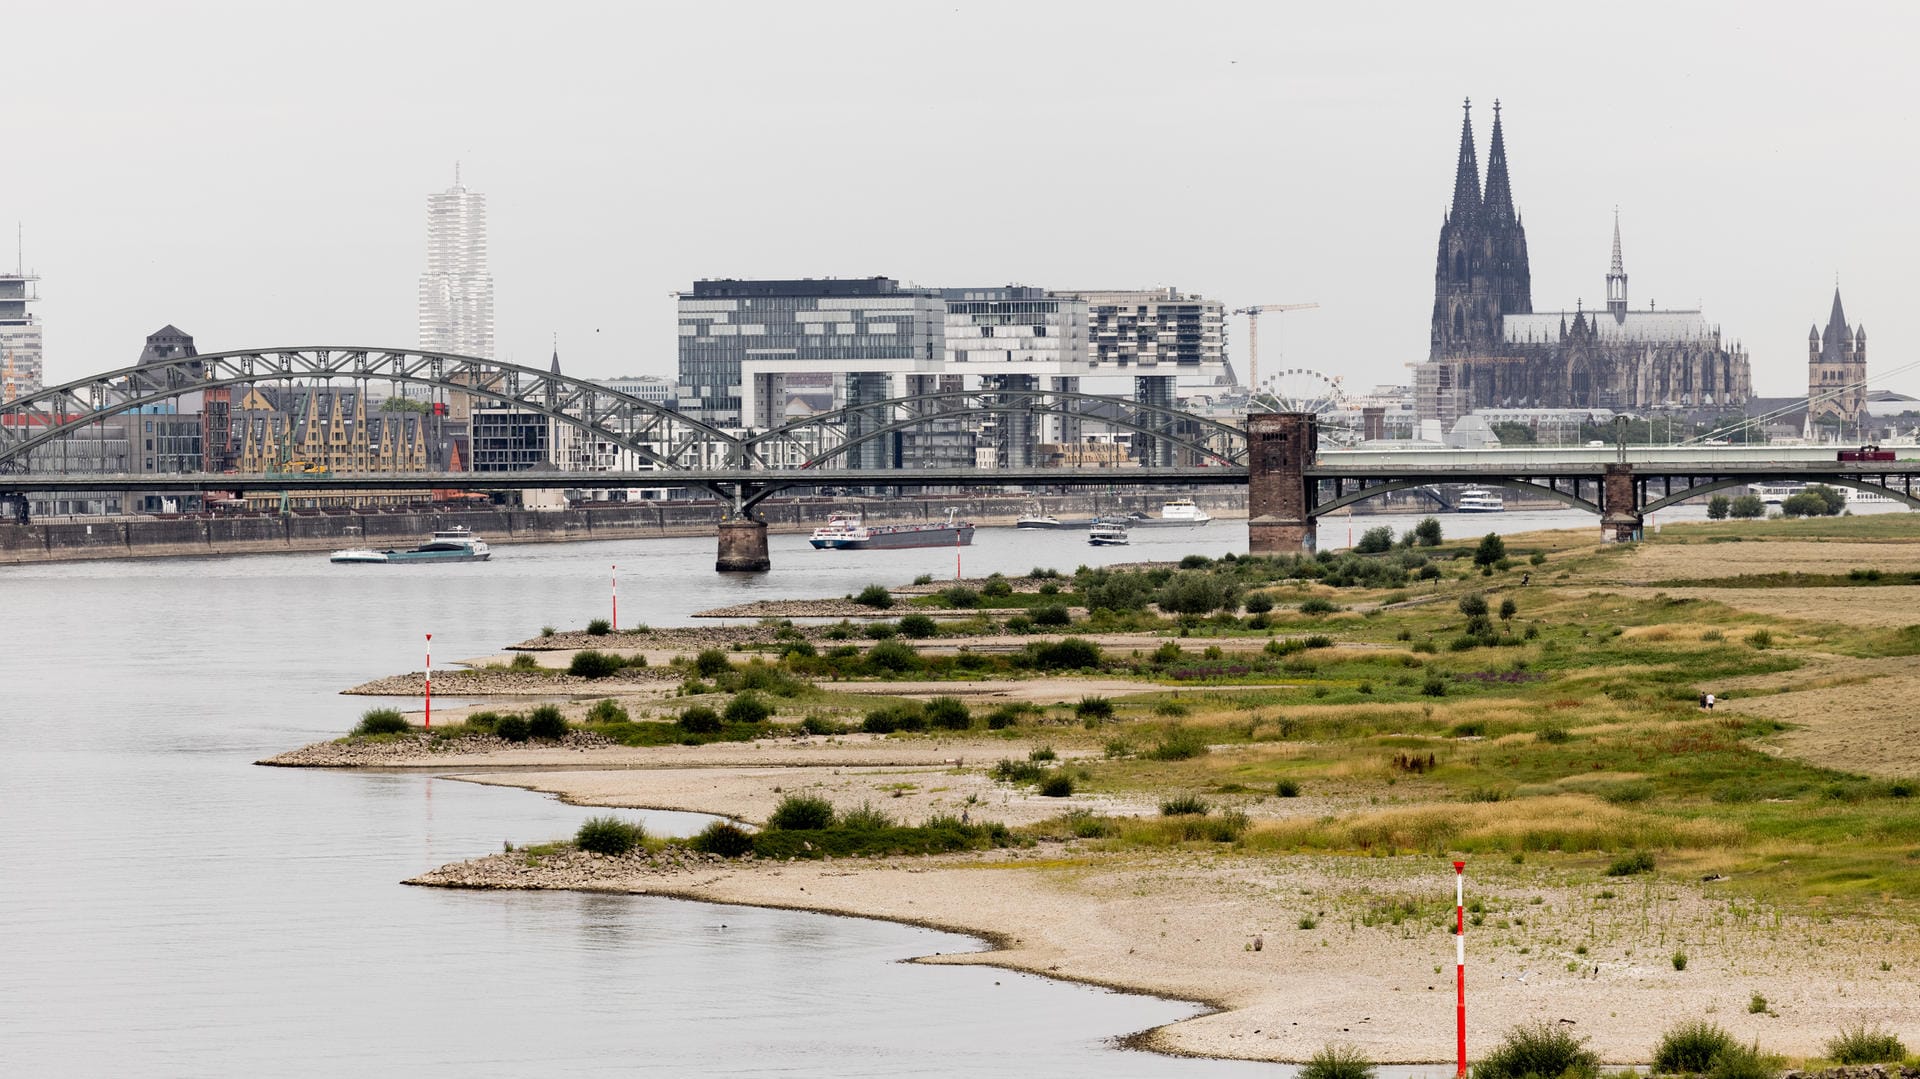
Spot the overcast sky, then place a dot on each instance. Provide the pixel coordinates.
(256, 173)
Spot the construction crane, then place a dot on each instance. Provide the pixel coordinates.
(1253, 332)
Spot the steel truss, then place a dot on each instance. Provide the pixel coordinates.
(654, 434)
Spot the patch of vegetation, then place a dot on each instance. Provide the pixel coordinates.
(1184, 804)
(1336, 1061)
(382, 721)
(609, 835)
(724, 838)
(599, 627)
(546, 723)
(1865, 1045)
(1536, 1051)
(875, 596)
(1627, 865)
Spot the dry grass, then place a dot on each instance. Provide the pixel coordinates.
(1565, 822)
(1693, 561)
(1872, 728)
(1883, 606)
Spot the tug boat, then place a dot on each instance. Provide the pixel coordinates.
(456, 544)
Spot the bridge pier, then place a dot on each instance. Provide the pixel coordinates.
(743, 547)
(1280, 517)
(1620, 518)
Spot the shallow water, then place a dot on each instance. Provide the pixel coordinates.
(171, 909)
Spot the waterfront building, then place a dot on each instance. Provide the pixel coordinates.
(1836, 375)
(22, 371)
(740, 340)
(649, 388)
(456, 291)
(1015, 337)
(1490, 348)
(1157, 336)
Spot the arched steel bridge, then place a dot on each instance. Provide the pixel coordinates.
(665, 439)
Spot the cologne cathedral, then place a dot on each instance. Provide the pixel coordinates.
(1491, 349)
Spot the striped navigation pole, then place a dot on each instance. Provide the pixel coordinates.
(429, 681)
(616, 599)
(1460, 957)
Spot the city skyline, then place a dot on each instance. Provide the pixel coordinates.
(1316, 154)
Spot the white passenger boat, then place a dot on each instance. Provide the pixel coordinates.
(1107, 534)
(1176, 511)
(1479, 500)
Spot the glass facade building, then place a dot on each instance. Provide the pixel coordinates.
(739, 339)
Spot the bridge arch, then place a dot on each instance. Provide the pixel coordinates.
(1352, 497)
(1712, 486)
(621, 419)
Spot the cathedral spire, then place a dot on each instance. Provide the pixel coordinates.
(1837, 321)
(1499, 201)
(1466, 177)
(1617, 275)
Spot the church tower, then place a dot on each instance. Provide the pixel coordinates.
(1836, 372)
(1617, 277)
(1481, 271)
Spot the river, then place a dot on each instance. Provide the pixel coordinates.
(171, 909)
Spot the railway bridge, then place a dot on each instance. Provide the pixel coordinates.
(1291, 480)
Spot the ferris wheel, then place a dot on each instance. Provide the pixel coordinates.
(1300, 389)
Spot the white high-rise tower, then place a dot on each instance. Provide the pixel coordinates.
(456, 292)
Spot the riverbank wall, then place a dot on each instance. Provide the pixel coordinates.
(202, 536)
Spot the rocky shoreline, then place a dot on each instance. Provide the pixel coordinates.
(571, 869)
(507, 682)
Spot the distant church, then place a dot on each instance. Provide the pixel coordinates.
(1836, 372)
(1491, 349)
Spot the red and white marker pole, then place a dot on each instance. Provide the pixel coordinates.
(429, 681)
(616, 599)
(1460, 956)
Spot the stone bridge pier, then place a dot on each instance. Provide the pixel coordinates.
(1280, 446)
(1620, 517)
(743, 547)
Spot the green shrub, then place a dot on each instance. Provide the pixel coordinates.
(1004, 716)
(996, 587)
(512, 727)
(1679, 960)
(1317, 605)
(875, 596)
(1717, 507)
(801, 813)
(591, 663)
(1473, 605)
(1757, 1005)
(1066, 654)
(1434, 686)
(1861, 1045)
(865, 819)
(822, 725)
(1690, 1048)
(893, 656)
(747, 708)
(1491, 549)
(1427, 532)
(1747, 506)
(546, 722)
(1536, 1051)
(1287, 788)
(724, 838)
(483, 721)
(1627, 865)
(1184, 804)
(1179, 744)
(1052, 614)
(1094, 709)
(1058, 784)
(960, 596)
(524, 661)
(879, 631)
(382, 721)
(711, 662)
(599, 627)
(1745, 1062)
(1760, 638)
(918, 626)
(700, 719)
(1375, 541)
(948, 714)
(1258, 603)
(1009, 770)
(608, 835)
(1335, 1061)
(1042, 753)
